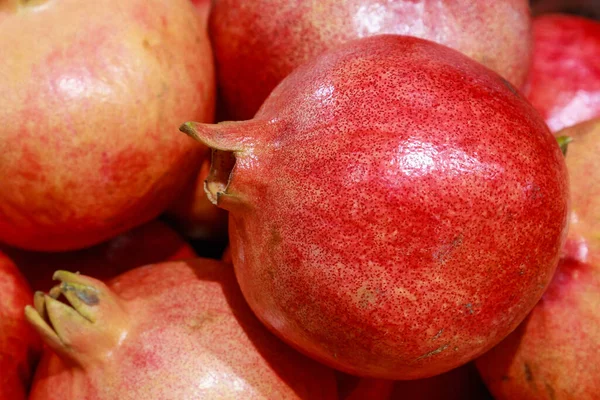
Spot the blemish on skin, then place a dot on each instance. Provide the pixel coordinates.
(509, 86)
(528, 373)
(444, 252)
(434, 352)
(88, 295)
(437, 335)
(469, 307)
(505, 378)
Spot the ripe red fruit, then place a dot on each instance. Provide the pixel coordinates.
(19, 344)
(564, 79)
(92, 94)
(554, 352)
(396, 209)
(258, 43)
(147, 244)
(176, 330)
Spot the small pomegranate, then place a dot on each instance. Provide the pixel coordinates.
(396, 209)
(92, 94)
(149, 243)
(553, 354)
(258, 43)
(175, 330)
(19, 344)
(564, 79)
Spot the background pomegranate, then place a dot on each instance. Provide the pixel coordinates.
(380, 218)
(553, 353)
(19, 344)
(258, 43)
(147, 244)
(93, 94)
(564, 80)
(174, 330)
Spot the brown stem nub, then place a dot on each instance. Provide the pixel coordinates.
(16, 5)
(85, 328)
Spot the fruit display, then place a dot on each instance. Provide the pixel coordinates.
(175, 330)
(406, 171)
(311, 200)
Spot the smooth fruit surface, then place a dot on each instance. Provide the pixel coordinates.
(146, 244)
(90, 110)
(175, 330)
(396, 209)
(19, 345)
(258, 43)
(553, 354)
(564, 79)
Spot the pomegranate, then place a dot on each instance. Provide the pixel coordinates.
(149, 243)
(258, 43)
(553, 354)
(564, 80)
(19, 344)
(93, 93)
(175, 330)
(396, 209)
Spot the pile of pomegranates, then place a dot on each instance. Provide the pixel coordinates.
(284, 199)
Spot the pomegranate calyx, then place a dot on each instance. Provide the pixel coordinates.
(87, 327)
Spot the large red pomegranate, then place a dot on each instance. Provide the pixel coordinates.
(146, 244)
(553, 354)
(564, 80)
(396, 209)
(258, 43)
(92, 94)
(19, 344)
(176, 330)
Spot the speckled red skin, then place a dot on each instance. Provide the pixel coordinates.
(146, 244)
(396, 209)
(462, 383)
(258, 43)
(553, 355)
(191, 336)
(90, 110)
(564, 79)
(20, 346)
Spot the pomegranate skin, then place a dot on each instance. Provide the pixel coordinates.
(175, 330)
(146, 244)
(90, 113)
(553, 354)
(20, 346)
(564, 79)
(396, 209)
(258, 43)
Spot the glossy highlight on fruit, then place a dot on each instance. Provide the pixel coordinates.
(258, 43)
(174, 330)
(396, 209)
